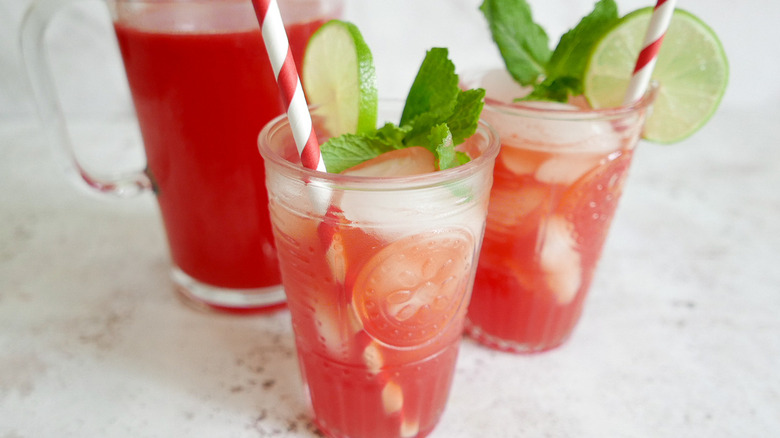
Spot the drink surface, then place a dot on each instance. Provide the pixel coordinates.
(203, 88)
(557, 182)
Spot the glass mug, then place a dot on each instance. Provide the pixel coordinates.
(203, 88)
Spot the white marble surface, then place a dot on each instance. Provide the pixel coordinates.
(680, 336)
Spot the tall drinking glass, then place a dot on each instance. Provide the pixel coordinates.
(557, 182)
(202, 88)
(378, 273)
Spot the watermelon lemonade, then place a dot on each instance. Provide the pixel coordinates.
(378, 272)
(569, 121)
(203, 88)
(557, 182)
(378, 253)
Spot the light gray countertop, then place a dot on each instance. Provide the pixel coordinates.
(680, 335)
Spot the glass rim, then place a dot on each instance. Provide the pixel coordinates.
(574, 114)
(384, 183)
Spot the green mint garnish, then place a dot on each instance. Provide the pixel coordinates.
(523, 44)
(349, 150)
(464, 118)
(524, 47)
(437, 115)
(434, 90)
(441, 140)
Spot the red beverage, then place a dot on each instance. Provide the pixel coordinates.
(203, 88)
(557, 182)
(522, 300)
(360, 386)
(378, 273)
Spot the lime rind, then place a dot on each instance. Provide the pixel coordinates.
(339, 77)
(691, 69)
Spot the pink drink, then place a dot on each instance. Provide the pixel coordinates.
(557, 182)
(203, 89)
(379, 285)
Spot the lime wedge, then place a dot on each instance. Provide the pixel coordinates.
(339, 77)
(692, 72)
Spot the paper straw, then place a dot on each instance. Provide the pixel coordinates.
(278, 47)
(640, 79)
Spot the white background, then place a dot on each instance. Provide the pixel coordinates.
(399, 32)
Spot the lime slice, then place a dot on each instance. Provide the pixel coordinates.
(692, 72)
(338, 76)
(412, 289)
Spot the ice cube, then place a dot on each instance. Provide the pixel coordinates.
(523, 127)
(510, 207)
(336, 329)
(392, 397)
(520, 161)
(409, 161)
(329, 331)
(409, 428)
(355, 324)
(566, 168)
(373, 358)
(305, 196)
(391, 215)
(501, 87)
(336, 258)
(560, 260)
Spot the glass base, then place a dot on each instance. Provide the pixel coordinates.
(475, 332)
(207, 297)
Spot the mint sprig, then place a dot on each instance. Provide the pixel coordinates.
(437, 115)
(348, 150)
(523, 44)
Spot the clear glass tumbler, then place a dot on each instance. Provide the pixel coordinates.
(557, 182)
(378, 273)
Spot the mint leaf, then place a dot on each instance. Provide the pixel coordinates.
(436, 98)
(524, 47)
(440, 141)
(420, 127)
(462, 157)
(434, 90)
(348, 150)
(556, 90)
(571, 54)
(523, 44)
(463, 120)
(393, 135)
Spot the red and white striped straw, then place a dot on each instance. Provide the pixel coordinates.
(278, 47)
(645, 63)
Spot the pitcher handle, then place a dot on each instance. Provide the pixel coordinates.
(32, 41)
